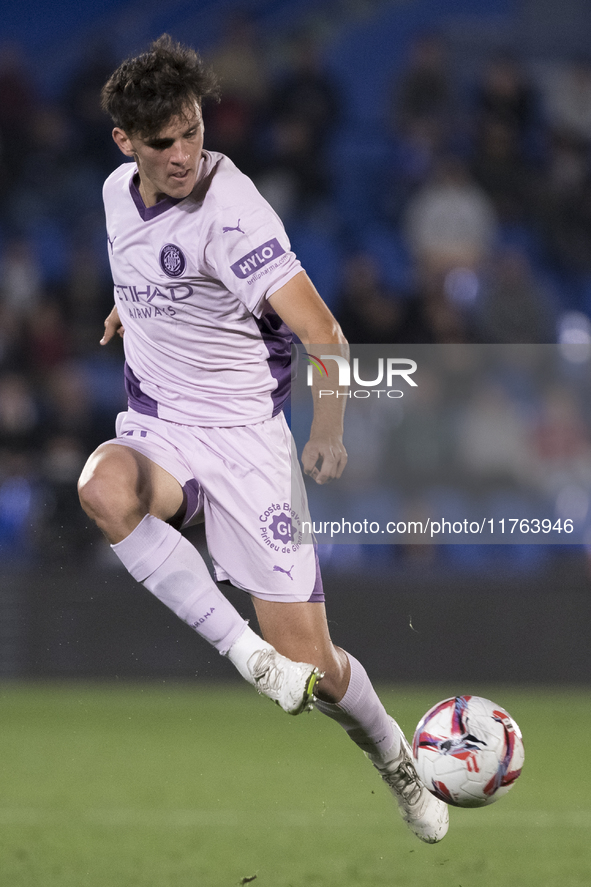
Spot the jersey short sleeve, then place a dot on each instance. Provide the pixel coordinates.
(247, 248)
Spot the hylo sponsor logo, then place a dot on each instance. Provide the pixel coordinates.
(258, 258)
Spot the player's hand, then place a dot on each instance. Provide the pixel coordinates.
(112, 325)
(324, 458)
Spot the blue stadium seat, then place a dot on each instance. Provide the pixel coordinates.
(321, 256)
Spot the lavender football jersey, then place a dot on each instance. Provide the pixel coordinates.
(192, 280)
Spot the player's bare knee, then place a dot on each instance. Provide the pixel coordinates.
(107, 488)
(93, 493)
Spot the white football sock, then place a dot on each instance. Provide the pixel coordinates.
(361, 714)
(242, 649)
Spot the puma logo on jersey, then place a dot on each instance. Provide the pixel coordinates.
(237, 228)
(277, 569)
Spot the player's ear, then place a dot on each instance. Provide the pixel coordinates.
(123, 142)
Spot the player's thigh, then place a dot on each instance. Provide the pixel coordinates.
(300, 632)
(118, 478)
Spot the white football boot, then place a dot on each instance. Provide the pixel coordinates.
(290, 684)
(424, 814)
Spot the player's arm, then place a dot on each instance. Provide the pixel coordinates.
(301, 308)
(112, 325)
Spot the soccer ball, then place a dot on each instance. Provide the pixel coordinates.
(468, 751)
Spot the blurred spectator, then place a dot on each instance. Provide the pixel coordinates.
(238, 61)
(506, 96)
(21, 284)
(435, 314)
(69, 405)
(48, 171)
(64, 458)
(301, 115)
(568, 99)
(91, 140)
(499, 167)
(306, 93)
(493, 438)
(561, 452)
(369, 312)
(230, 129)
(561, 441)
(419, 448)
(422, 97)
(240, 67)
(409, 167)
(12, 352)
(17, 101)
(63, 530)
(450, 222)
(563, 204)
(514, 307)
(89, 291)
(47, 338)
(20, 428)
(294, 181)
(420, 116)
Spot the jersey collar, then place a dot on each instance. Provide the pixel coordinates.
(151, 212)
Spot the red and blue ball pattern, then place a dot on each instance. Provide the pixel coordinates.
(468, 751)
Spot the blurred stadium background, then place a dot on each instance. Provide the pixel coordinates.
(432, 164)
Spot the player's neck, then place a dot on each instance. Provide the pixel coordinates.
(149, 196)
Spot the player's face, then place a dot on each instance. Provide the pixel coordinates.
(169, 162)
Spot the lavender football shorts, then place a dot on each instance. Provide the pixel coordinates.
(243, 482)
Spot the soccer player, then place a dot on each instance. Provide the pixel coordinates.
(208, 294)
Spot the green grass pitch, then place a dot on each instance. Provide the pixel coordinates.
(173, 785)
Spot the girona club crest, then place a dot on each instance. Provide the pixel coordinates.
(281, 528)
(172, 260)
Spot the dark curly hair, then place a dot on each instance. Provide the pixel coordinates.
(146, 92)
